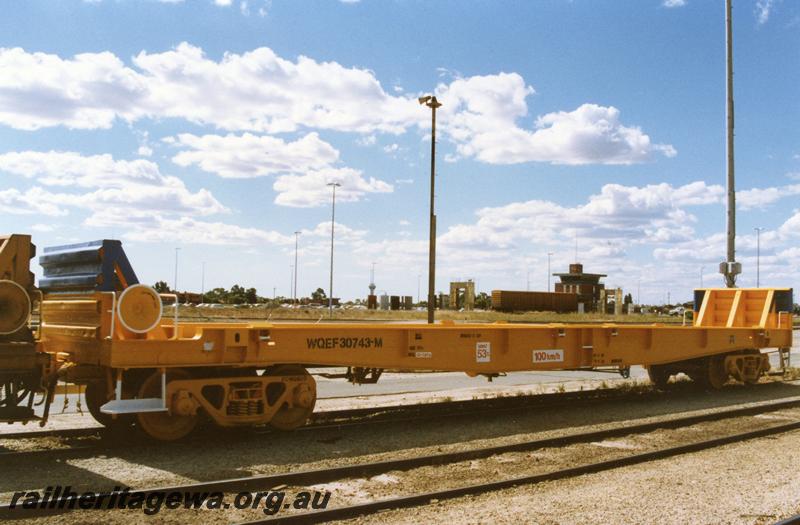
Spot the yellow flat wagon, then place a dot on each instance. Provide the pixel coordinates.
(109, 333)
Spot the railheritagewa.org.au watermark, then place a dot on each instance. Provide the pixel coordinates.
(152, 502)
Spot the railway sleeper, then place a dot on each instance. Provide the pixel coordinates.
(713, 372)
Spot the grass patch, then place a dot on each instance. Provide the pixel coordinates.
(489, 316)
(792, 373)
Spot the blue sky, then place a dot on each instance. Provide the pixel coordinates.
(214, 126)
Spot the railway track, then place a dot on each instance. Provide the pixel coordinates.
(415, 500)
(539, 400)
(319, 476)
(438, 409)
(101, 440)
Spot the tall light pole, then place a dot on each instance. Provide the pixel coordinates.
(419, 280)
(639, 291)
(528, 281)
(758, 256)
(175, 282)
(333, 186)
(291, 280)
(432, 103)
(372, 280)
(730, 268)
(702, 268)
(294, 284)
(549, 255)
(203, 283)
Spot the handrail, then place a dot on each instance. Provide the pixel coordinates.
(113, 313)
(175, 318)
(684, 315)
(38, 333)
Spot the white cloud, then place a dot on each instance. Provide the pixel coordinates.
(614, 228)
(189, 230)
(258, 91)
(343, 232)
(762, 197)
(108, 189)
(145, 151)
(629, 214)
(43, 228)
(305, 166)
(480, 116)
(129, 195)
(32, 202)
(674, 3)
(248, 155)
(310, 189)
(405, 254)
(697, 193)
(763, 10)
(88, 91)
(368, 140)
(791, 228)
(223, 3)
(253, 91)
(57, 168)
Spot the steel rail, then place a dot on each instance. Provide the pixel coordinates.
(317, 476)
(436, 409)
(337, 420)
(416, 500)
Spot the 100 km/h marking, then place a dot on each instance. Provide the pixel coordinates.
(555, 355)
(328, 343)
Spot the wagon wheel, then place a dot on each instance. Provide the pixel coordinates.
(163, 425)
(300, 402)
(717, 374)
(658, 375)
(96, 395)
(752, 379)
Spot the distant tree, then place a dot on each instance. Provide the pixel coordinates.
(628, 299)
(318, 295)
(161, 287)
(217, 295)
(250, 296)
(483, 301)
(236, 295)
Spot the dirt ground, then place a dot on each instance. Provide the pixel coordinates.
(610, 497)
(754, 482)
